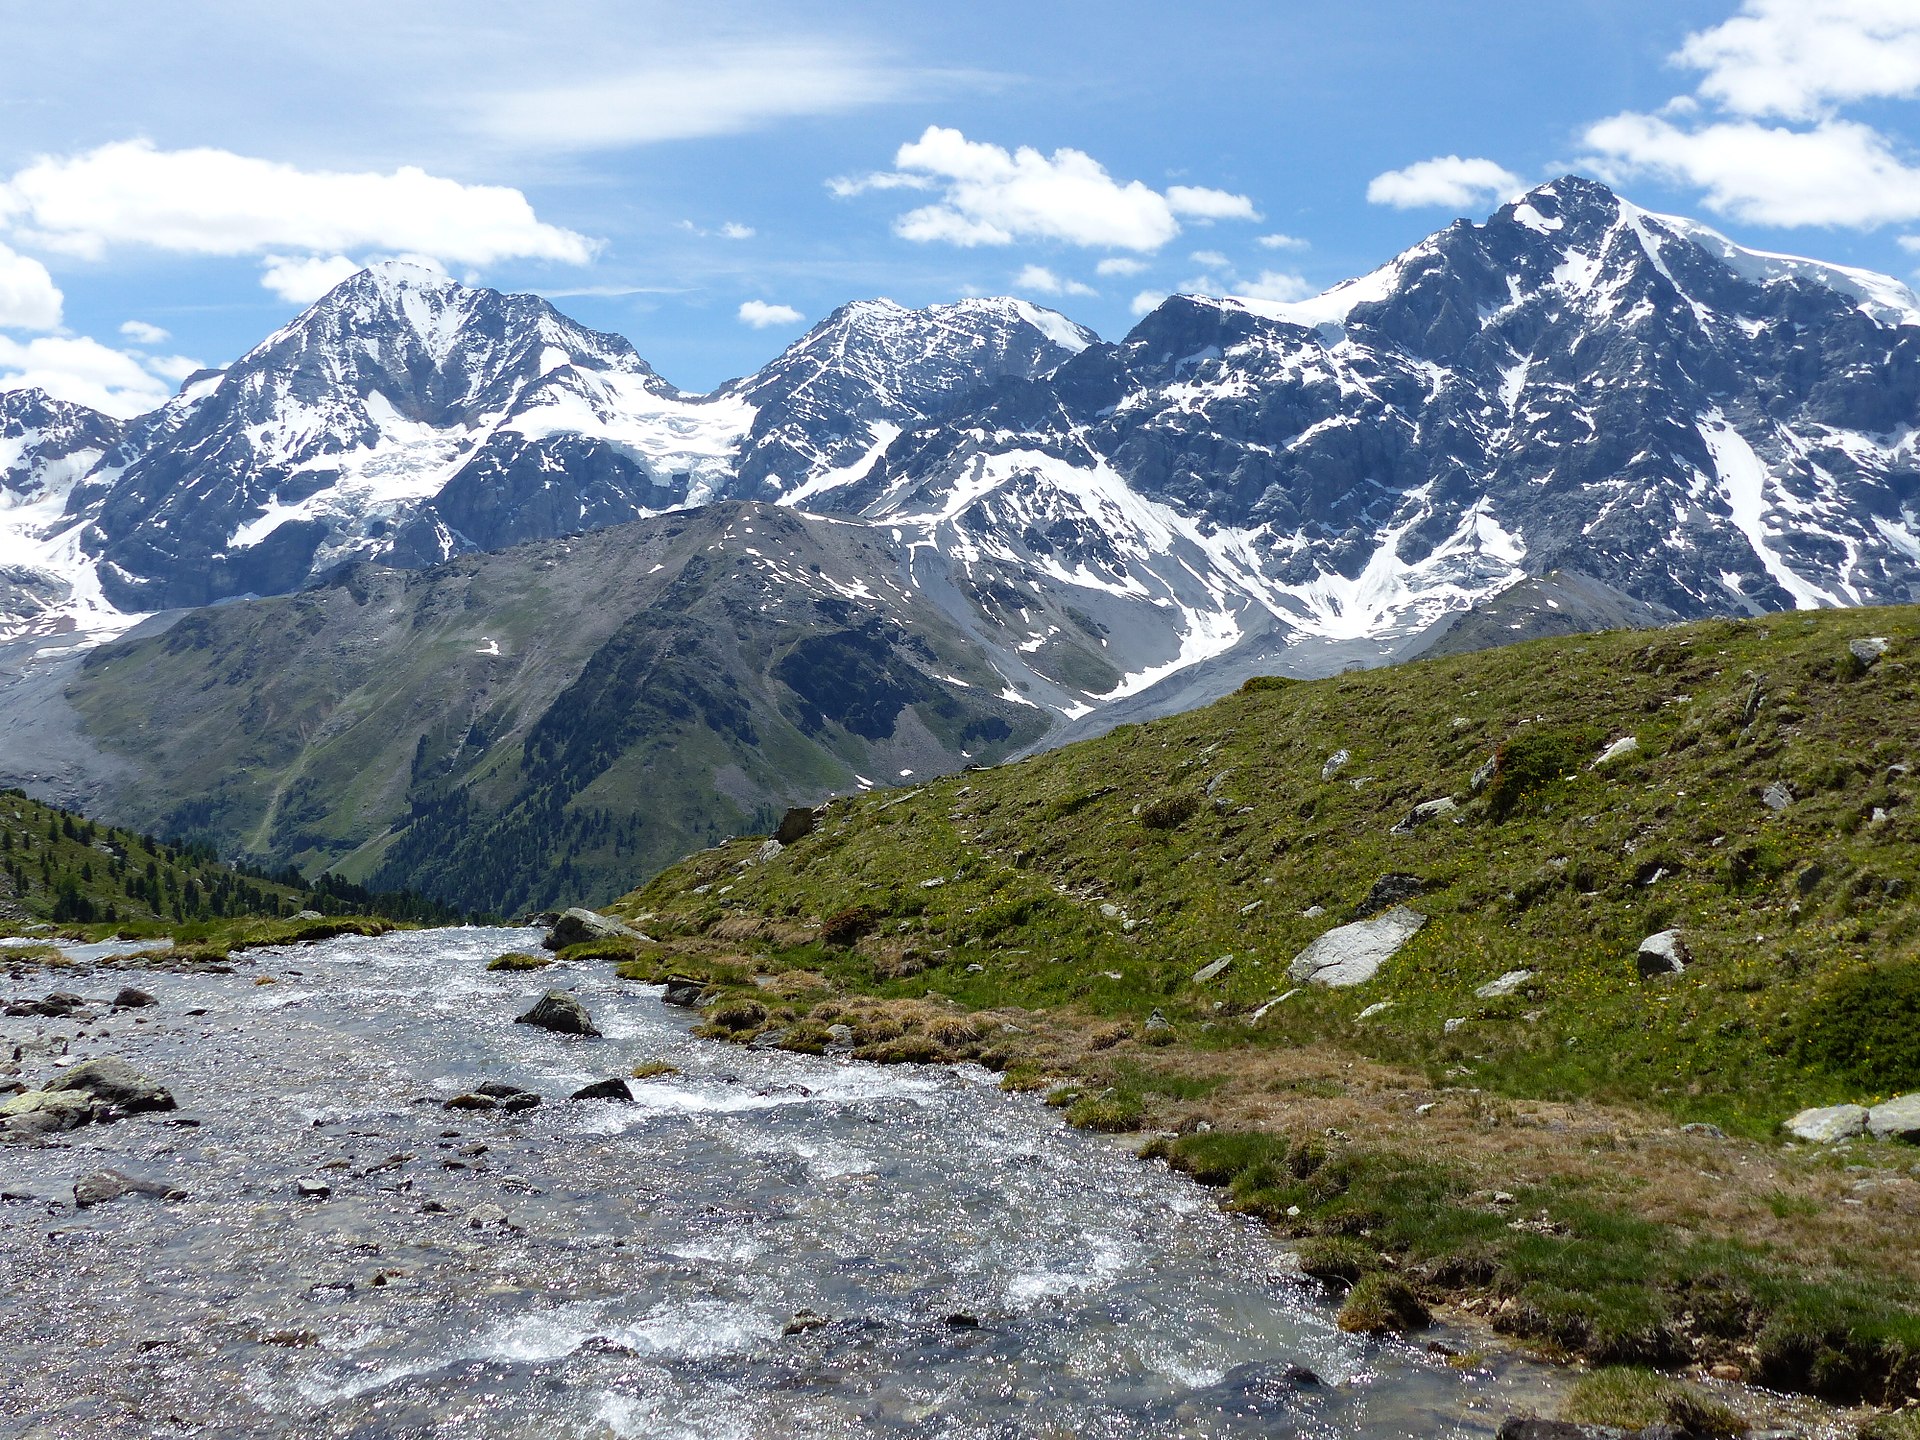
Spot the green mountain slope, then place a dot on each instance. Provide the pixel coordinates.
(510, 731)
(1106, 874)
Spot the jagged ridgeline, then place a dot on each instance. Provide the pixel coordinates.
(1546, 807)
(61, 867)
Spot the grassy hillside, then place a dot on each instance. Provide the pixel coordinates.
(1767, 809)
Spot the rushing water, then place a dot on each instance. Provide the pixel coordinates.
(650, 1255)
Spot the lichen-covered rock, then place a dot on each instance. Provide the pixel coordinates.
(1663, 954)
(577, 926)
(1897, 1119)
(1353, 954)
(114, 1084)
(561, 1013)
(1827, 1124)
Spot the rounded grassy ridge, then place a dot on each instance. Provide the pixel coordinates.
(1498, 1110)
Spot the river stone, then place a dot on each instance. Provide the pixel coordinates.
(1897, 1119)
(104, 1185)
(1505, 985)
(577, 926)
(610, 1089)
(471, 1102)
(132, 999)
(1525, 1427)
(113, 1082)
(58, 1110)
(1829, 1123)
(683, 990)
(560, 1012)
(1353, 954)
(1662, 954)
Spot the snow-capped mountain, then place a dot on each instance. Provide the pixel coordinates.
(1575, 385)
(48, 449)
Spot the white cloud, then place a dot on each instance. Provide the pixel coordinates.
(1283, 242)
(1276, 285)
(172, 367)
(29, 300)
(992, 196)
(1795, 59)
(1203, 204)
(214, 202)
(697, 92)
(732, 230)
(82, 371)
(760, 315)
(1446, 180)
(1147, 300)
(303, 279)
(141, 333)
(1041, 281)
(1910, 243)
(1119, 265)
(1839, 172)
(1210, 257)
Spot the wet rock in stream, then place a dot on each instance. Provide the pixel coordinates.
(561, 1013)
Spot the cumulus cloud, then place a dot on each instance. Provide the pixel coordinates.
(1200, 203)
(29, 300)
(1795, 59)
(214, 202)
(1119, 265)
(1283, 242)
(1793, 63)
(82, 371)
(141, 333)
(729, 230)
(1839, 172)
(993, 196)
(1452, 181)
(1039, 280)
(1209, 257)
(761, 316)
(1147, 300)
(1276, 285)
(303, 279)
(696, 92)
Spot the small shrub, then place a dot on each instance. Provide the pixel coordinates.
(648, 1069)
(1633, 1399)
(1535, 759)
(519, 960)
(1169, 811)
(1864, 1026)
(1382, 1304)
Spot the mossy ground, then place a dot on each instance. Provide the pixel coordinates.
(1050, 906)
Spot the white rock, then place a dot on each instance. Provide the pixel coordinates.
(1777, 796)
(1374, 1009)
(1313, 912)
(1897, 1119)
(1353, 954)
(1505, 985)
(1423, 812)
(1626, 747)
(1334, 762)
(1454, 1024)
(1868, 648)
(1212, 970)
(1663, 954)
(1828, 1123)
(1109, 910)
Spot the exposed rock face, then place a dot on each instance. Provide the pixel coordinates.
(560, 1012)
(1827, 1124)
(578, 926)
(1390, 889)
(1896, 1119)
(1353, 954)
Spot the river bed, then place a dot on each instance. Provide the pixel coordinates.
(599, 1269)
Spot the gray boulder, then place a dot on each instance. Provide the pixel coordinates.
(1777, 796)
(34, 1113)
(1424, 812)
(113, 1084)
(1353, 954)
(104, 1185)
(1867, 649)
(1212, 970)
(1897, 1119)
(611, 1089)
(1505, 985)
(560, 1012)
(683, 990)
(577, 926)
(1390, 889)
(1828, 1124)
(1663, 954)
(132, 999)
(796, 824)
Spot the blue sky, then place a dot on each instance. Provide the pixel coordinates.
(710, 180)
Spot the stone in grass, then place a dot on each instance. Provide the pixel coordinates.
(1353, 954)
(1867, 649)
(1422, 813)
(561, 1013)
(1827, 1124)
(1663, 954)
(1213, 970)
(1625, 748)
(1390, 889)
(1777, 797)
(1505, 985)
(1897, 1119)
(1382, 1304)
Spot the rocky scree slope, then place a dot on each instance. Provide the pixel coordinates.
(437, 730)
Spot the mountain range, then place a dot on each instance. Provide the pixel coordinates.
(1576, 412)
